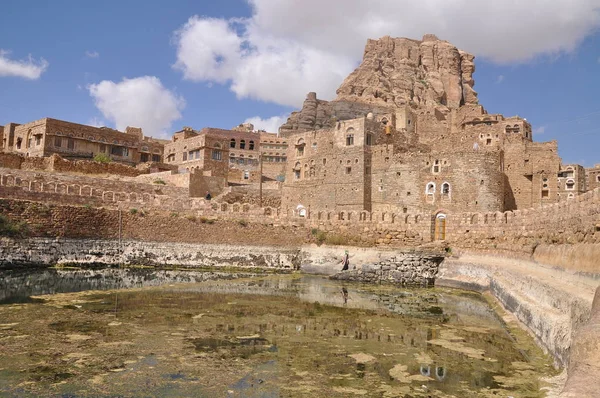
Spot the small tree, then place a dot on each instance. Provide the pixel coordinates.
(102, 158)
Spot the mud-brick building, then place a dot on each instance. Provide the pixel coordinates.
(46, 137)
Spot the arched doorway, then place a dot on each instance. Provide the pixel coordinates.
(440, 227)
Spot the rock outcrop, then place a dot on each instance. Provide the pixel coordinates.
(398, 71)
(395, 72)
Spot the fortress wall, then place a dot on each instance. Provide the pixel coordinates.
(61, 165)
(240, 227)
(565, 234)
(548, 233)
(82, 185)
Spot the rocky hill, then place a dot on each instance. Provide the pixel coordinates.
(430, 73)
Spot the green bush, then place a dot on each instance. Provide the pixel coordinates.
(133, 211)
(102, 158)
(205, 220)
(336, 240)
(243, 223)
(174, 214)
(160, 182)
(320, 236)
(191, 218)
(12, 229)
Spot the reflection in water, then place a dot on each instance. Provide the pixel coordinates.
(18, 285)
(345, 295)
(256, 337)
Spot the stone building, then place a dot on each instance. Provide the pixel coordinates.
(203, 152)
(46, 137)
(571, 181)
(416, 142)
(273, 150)
(592, 176)
(233, 154)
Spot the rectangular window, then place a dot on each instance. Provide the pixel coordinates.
(300, 151)
(216, 154)
(369, 139)
(57, 142)
(184, 156)
(144, 157)
(71, 143)
(246, 175)
(350, 139)
(231, 160)
(38, 140)
(117, 150)
(544, 194)
(348, 170)
(156, 158)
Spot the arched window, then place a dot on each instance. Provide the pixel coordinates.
(445, 188)
(430, 189)
(251, 145)
(232, 143)
(350, 136)
(243, 144)
(570, 185)
(217, 145)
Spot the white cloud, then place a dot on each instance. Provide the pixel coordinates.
(96, 122)
(539, 130)
(270, 125)
(141, 102)
(92, 54)
(28, 68)
(499, 79)
(287, 48)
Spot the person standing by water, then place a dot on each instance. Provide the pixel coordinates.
(346, 261)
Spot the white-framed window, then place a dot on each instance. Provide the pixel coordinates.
(446, 188)
(430, 188)
(570, 185)
(216, 154)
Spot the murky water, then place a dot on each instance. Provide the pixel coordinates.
(267, 336)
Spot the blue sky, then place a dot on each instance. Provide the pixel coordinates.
(237, 60)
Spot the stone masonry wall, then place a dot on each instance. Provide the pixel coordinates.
(58, 164)
(83, 222)
(404, 269)
(48, 252)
